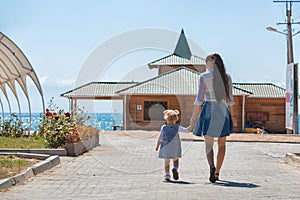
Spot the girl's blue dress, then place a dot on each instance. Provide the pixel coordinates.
(171, 145)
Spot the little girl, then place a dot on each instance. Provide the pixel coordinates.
(169, 142)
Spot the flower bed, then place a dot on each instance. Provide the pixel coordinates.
(63, 129)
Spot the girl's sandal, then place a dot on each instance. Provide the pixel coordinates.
(217, 176)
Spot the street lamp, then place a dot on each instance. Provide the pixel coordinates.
(275, 30)
(290, 59)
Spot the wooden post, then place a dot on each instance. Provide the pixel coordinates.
(125, 112)
(243, 114)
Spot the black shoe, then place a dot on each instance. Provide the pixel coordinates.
(175, 174)
(212, 177)
(217, 176)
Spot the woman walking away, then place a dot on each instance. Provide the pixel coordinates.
(169, 142)
(215, 121)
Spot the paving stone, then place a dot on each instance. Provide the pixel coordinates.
(127, 167)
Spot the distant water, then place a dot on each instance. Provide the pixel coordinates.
(102, 121)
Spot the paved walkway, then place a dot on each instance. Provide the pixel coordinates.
(235, 137)
(128, 168)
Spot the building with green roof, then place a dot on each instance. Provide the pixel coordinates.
(175, 87)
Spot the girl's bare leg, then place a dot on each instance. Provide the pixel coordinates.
(176, 163)
(175, 169)
(167, 166)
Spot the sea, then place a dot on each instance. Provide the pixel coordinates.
(102, 121)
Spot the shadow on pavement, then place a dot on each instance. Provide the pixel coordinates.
(235, 184)
(179, 182)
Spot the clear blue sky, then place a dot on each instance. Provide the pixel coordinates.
(58, 36)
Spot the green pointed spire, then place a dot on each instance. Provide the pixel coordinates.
(182, 48)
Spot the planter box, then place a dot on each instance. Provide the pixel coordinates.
(78, 148)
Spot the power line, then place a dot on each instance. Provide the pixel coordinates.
(289, 22)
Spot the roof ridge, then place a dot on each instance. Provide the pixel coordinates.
(260, 83)
(159, 76)
(114, 82)
(160, 59)
(242, 90)
(97, 82)
(198, 57)
(255, 83)
(279, 87)
(81, 86)
(189, 61)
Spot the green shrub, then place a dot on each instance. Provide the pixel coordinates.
(58, 126)
(12, 127)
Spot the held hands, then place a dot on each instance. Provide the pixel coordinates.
(234, 122)
(192, 122)
(190, 128)
(157, 146)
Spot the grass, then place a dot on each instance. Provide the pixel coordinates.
(11, 165)
(22, 143)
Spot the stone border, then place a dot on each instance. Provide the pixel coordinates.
(292, 159)
(49, 157)
(60, 152)
(47, 163)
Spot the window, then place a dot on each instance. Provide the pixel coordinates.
(153, 110)
(257, 119)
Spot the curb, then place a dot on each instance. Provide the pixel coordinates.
(47, 163)
(28, 173)
(60, 152)
(26, 155)
(292, 159)
(6, 183)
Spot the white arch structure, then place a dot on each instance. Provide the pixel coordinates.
(15, 67)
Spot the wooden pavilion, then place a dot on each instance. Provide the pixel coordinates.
(175, 87)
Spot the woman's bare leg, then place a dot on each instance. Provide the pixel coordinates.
(209, 144)
(221, 153)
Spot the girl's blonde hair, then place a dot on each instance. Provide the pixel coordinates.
(171, 115)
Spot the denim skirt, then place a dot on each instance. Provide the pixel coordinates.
(214, 121)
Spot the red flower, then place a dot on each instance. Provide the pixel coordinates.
(48, 114)
(56, 116)
(67, 114)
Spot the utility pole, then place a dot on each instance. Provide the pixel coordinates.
(290, 59)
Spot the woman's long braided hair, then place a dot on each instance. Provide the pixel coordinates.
(220, 78)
